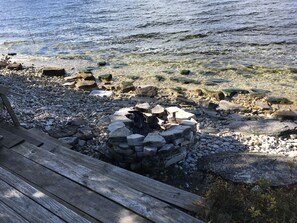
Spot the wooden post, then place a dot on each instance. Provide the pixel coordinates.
(3, 92)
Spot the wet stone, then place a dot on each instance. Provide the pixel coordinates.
(286, 115)
(15, 66)
(52, 71)
(146, 91)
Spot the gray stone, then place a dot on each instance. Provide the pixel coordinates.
(144, 107)
(183, 115)
(138, 148)
(229, 106)
(167, 148)
(176, 132)
(147, 91)
(119, 135)
(154, 140)
(191, 122)
(251, 167)
(122, 151)
(178, 142)
(82, 142)
(124, 146)
(124, 119)
(149, 151)
(265, 127)
(115, 125)
(158, 109)
(69, 140)
(86, 85)
(124, 111)
(175, 158)
(135, 140)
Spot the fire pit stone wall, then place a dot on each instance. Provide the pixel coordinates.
(146, 138)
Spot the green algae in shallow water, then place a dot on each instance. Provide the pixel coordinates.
(230, 92)
(279, 100)
(184, 80)
(160, 78)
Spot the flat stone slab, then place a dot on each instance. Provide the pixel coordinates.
(265, 127)
(251, 167)
(154, 140)
(175, 132)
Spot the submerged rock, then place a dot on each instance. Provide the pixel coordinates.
(278, 100)
(53, 71)
(147, 91)
(15, 66)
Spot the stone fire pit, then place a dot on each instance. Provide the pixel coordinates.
(145, 138)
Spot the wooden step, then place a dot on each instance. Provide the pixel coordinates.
(10, 139)
(141, 203)
(47, 140)
(92, 204)
(40, 198)
(167, 193)
(23, 133)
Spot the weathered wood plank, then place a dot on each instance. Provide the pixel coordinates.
(172, 195)
(47, 140)
(7, 215)
(9, 139)
(41, 198)
(76, 195)
(24, 206)
(23, 133)
(139, 202)
(10, 110)
(3, 89)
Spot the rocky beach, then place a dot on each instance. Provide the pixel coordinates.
(75, 107)
(240, 132)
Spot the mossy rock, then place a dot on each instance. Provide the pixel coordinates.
(134, 77)
(185, 72)
(179, 90)
(260, 91)
(184, 80)
(230, 92)
(278, 100)
(102, 63)
(105, 77)
(160, 78)
(127, 86)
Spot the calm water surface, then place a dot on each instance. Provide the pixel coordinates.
(243, 32)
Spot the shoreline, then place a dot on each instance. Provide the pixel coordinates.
(69, 114)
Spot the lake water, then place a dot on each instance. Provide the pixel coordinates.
(217, 32)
